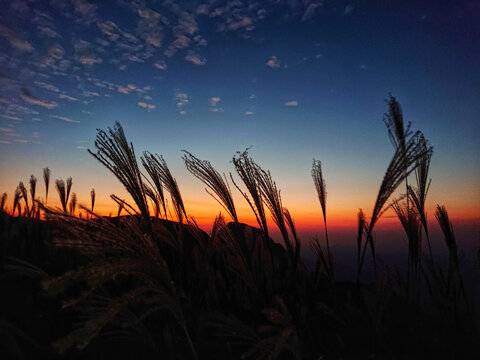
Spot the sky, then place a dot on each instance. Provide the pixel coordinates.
(293, 80)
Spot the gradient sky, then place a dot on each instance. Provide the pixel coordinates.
(296, 80)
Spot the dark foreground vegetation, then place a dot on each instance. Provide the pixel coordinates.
(151, 284)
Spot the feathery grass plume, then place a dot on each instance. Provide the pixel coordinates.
(410, 221)
(118, 156)
(402, 164)
(16, 201)
(153, 197)
(150, 163)
(3, 201)
(217, 226)
(293, 230)
(397, 133)
(46, 179)
(418, 195)
(92, 197)
(204, 171)
(361, 229)
(33, 186)
(165, 178)
(321, 188)
(246, 170)
(441, 215)
(69, 188)
(73, 204)
(62, 194)
(273, 201)
(24, 193)
(454, 276)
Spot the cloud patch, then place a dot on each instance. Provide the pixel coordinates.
(161, 65)
(15, 39)
(146, 105)
(28, 97)
(273, 62)
(291, 103)
(195, 59)
(64, 118)
(214, 104)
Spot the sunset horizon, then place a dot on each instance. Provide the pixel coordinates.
(239, 179)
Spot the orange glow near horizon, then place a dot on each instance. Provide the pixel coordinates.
(204, 212)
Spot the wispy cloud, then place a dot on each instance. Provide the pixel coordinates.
(195, 59)
(291, 103)
(64, 118)
(67, 97)
(123, 90)
(161, 65)
(181, 42)
(248, 113)
(15, 39)
(28, 97)
(273, 62)
(90, 93)
(10, 117)
(46, 86)
(244, 23)
(146, 106)
(90, 60)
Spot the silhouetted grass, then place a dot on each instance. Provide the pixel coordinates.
(138, 286)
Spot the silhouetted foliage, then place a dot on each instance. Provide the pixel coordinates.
(141, 287)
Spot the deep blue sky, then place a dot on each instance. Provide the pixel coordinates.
(295, 79)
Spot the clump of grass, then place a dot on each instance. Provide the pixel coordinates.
(16, 201)
(33, 186)
(454, 279)
(92, 198)
(118, 156)
(114, 251)
(204, 171)
(46, 179)
(247, 170)
(408, 153)
(64, 191)
(273, 202)
(321, 188)
(161, 171)
(73, 204)
(410, 221)
(151, 164)
(418, 195)
(176, 288)
(3, 200)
